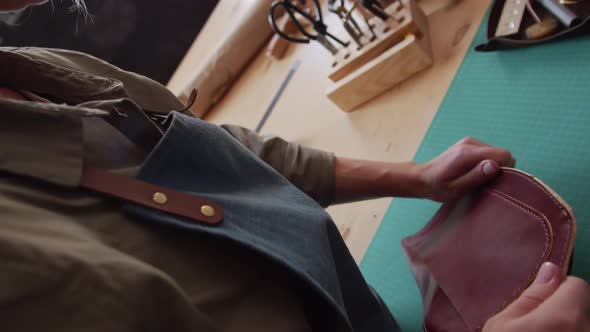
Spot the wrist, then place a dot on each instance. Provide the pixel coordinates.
(421, 187)
(360, 179)
(406, 179)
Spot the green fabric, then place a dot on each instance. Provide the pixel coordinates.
(534, 101)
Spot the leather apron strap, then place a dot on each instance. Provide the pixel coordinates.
(129, 189)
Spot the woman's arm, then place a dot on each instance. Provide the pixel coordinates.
(464, 166)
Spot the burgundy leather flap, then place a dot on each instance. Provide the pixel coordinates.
(535, 194)
(482, 252)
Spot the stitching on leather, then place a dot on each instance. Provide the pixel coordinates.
(545, 252)
(558, 204)
(564, 251)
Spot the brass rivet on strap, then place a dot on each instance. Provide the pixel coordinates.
(207, 210)
(160, 198)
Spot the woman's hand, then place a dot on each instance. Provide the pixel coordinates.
(548, 305)
(464, 166)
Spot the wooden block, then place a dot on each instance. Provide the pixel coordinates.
(277, 47)
(382, 73)
(421, 20)
(387, 35)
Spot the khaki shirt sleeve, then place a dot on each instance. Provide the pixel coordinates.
(310, 170)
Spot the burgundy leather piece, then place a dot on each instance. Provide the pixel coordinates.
(445, 318)
(139, 192)
(478, 254)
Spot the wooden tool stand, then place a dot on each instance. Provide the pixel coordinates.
(400, 49)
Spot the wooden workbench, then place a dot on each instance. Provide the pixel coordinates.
(389, 128)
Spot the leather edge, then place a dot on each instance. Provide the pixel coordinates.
(550, 192)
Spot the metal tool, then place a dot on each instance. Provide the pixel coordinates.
(511, 17)
(371, 28)
(277, 96)
(366, 15)
(565, 15)
(349, 23)
(570, 2)
(321, 34)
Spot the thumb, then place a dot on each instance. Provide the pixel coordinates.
(544, 285)
(480, 174)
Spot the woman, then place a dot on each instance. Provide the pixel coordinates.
(97, 231)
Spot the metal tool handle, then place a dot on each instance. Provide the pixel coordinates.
(565, 15)
(353, 34)
(352, 20)
(348, 22)
(327, 44)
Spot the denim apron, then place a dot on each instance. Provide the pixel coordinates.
(265, 213)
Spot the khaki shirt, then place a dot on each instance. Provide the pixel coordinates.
(71, 261)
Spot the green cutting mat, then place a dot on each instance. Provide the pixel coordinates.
(534, 101)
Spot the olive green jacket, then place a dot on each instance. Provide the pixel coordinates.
(70, 260)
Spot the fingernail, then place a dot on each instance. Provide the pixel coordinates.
(547, 272)
(489, 168)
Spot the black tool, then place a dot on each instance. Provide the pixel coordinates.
(375, 7)
(321, 34)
